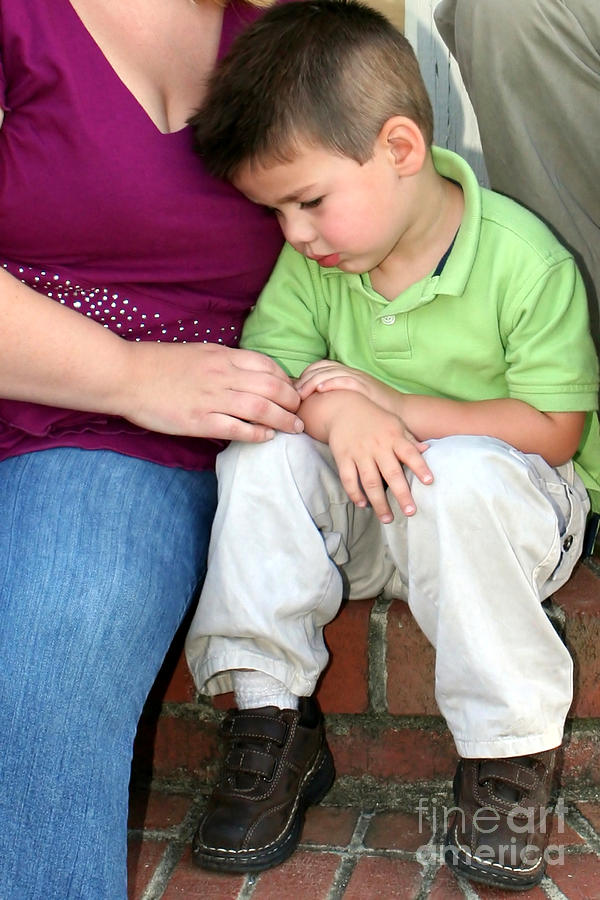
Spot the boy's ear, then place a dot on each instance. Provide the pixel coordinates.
(404, 143)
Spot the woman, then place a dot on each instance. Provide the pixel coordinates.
(109, 229)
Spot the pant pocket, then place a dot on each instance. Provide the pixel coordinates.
(571, 504)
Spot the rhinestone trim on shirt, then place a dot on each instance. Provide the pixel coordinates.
(118, 313)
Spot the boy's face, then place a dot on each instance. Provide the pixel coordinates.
(330, 207)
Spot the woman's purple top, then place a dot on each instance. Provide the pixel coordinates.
(102, 212)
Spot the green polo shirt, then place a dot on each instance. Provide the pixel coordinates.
(507, 316)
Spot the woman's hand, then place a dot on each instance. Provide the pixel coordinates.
(52, 355)
(207, 390)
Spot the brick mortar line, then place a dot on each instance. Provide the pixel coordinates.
(428, 876)
(364, 791)
(467, 888)
(373, 720)
(350, 857)
(429, 855)
(173, 852)
(584, 828)
(430, 858)
(377, 656)
(163, 871)
(170, 834)
(342, 877)
(247, 889)
(356, 850)
(552, 891)
(577, 821)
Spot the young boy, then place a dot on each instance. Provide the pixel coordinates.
(440, 339)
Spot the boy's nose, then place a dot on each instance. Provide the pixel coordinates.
(298, 231)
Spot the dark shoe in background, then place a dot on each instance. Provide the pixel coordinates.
(500, 827)
(276, 764)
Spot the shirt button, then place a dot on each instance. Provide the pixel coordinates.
(568, 542)
(388, 320)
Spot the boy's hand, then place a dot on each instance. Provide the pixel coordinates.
(370, 446)
(328, 375)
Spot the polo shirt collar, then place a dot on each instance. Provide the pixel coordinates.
(457, 270)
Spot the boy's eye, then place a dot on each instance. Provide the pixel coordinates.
(311, 204)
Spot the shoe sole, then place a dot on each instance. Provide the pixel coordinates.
(315, 787)
(461, 864)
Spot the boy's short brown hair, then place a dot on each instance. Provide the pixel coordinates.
(323, 72)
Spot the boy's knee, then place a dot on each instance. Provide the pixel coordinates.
(283, 451)
(240, 451)
(464, 467)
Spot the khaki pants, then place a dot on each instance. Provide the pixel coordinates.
(532, 72)
(496, 533)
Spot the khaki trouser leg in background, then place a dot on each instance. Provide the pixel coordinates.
(532, 71)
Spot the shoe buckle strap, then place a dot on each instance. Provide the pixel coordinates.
(255, 726)
(251, 762)
(519, 777)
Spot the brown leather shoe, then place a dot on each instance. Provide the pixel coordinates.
(499, 831)
(277, 763)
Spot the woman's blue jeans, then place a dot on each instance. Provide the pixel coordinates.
(100, 557)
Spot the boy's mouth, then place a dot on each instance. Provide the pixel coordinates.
(331, 259)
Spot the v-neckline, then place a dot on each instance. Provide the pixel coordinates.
(142, 109)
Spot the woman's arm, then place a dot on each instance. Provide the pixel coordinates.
(52, 355)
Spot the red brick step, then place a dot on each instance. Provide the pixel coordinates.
(377, 693)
